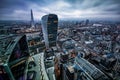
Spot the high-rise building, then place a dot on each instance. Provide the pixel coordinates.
(87, 22)
(49, 28)
(32, 20)
(13, 57)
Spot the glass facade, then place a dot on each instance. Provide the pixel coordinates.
(20, 50)
(13, 67)
(49, 27)
(3, 74)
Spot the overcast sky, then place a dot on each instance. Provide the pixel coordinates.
(75, 9)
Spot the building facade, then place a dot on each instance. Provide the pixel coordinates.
(13, 58)
(32, 20)
(49, 28)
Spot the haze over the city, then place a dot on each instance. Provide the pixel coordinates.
(65, 9)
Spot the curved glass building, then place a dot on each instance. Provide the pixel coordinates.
(13, 57)
(49, 28)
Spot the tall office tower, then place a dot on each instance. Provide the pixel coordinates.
(49, 28)
(87, 22)
(32, 20)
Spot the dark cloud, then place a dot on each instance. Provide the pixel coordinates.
(13, 8)
(19, 4)
(12, 3)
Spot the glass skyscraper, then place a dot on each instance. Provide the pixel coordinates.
(32, 20)
(49, 28)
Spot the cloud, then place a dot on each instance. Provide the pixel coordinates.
(20, 9)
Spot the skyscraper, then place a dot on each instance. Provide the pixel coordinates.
(87, 22)
(32, 20)
(49, 28)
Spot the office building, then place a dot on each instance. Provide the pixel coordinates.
(49, 28)
(32, 20)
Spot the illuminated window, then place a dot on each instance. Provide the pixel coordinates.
(32, 43)
(55, 21)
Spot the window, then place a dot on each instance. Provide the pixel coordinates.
(50, 35)
(20, 50)
(55, 21)
(16, 53)
(3, 74)
(48, 22)
(18, 70)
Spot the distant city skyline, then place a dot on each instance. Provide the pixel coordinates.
(65, 9)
